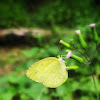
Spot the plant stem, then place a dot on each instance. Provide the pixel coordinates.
(94, 82)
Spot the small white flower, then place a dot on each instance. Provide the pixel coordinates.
(68, 55)
(77, 31)
(92, 25)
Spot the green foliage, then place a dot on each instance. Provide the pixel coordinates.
(31, 53)
(65, 12)
(48, 13)
(13, 14)
(15, 84)
(79, 86)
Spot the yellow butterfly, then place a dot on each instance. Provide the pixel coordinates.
(51, 72)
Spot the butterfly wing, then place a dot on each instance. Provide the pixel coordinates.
(54, 75)
(49, 71)
(37, 69)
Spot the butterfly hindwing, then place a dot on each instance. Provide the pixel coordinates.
(54, 75)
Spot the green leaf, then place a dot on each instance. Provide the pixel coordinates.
(53, 50)
(25, 66)
(34, 91)
(31, 53)
(6, 96)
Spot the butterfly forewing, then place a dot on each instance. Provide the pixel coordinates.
(36, 70)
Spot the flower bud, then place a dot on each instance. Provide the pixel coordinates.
(92, 25)
(64, 43)
(95, 35)
(77, 31)
(72, 67)
(83, 43)
(68, 55)
(79, 59)
(68, 50)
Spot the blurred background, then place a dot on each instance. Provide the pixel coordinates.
(30, 30)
